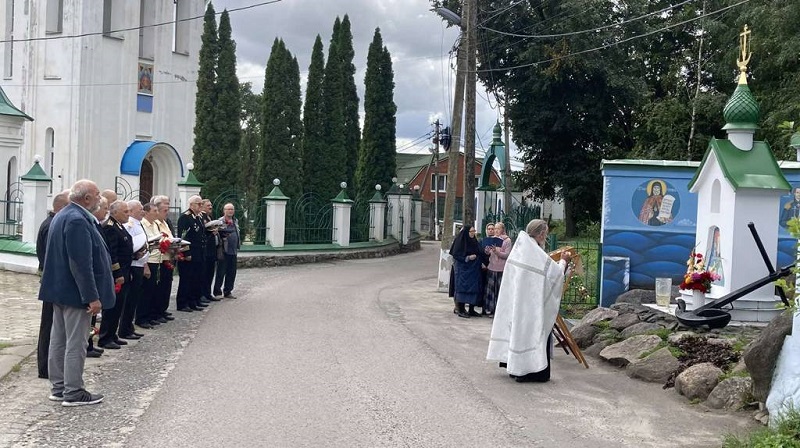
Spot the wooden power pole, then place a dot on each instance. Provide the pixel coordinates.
(471, 78)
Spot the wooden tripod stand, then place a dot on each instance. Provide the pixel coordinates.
(560, 330)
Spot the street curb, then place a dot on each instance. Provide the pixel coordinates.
(12, 357)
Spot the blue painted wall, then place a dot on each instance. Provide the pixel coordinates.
(660, 248)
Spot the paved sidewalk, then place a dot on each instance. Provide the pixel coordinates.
(19, 318)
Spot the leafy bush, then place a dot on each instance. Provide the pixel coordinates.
(785, 434)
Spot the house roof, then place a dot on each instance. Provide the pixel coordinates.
(756, 168)
(409, 165)
(7, 107)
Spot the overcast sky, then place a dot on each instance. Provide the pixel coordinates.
(415, 36)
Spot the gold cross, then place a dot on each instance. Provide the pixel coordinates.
(744, 49)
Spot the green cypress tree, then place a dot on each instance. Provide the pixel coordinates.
(376, 162)
(334, 159)
(281, 126)
(315, 143)
(228, 112)
(205, 164)
(352, 131)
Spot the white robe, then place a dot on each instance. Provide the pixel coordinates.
(527, 306)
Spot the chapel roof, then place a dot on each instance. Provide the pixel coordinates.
(7, 107)
(755, 168)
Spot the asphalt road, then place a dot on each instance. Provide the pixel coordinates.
(350, 354)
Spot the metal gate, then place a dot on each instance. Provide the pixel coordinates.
(360, 221)
(309, 220)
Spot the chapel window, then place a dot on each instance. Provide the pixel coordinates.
(715, 196)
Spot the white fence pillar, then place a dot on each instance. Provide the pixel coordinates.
(275, 215)
(377, 216)
(35, 187)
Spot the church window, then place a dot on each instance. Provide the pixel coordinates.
(113, 19)
(180, 40)
(147, 15)
(715, 196)
(55, 16)
(8, 50)
(49, 150)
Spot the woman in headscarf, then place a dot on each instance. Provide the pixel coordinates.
(466, 253)
(530, 296)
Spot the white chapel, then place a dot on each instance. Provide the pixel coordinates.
(99, 89)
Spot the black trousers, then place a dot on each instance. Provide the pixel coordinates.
(135, 292)
(226, 270)
(43, 347)
(210, 266)
(145, 309)
(189, 282)
(164, 291)
(110, 322)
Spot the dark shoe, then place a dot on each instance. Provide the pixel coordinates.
(43, 376)
(455, 310)
(129, 336)
(195, 308)
(161, 320)
(144, 325)
(138, 334)
(203, 299)
(169, 318)
(185, 309)
(120, 342)
(463, 314)
(201, 304)
(93, 354)
(56, 397)
(167, 313)
(503, 365)
(214, 299)
(217, 293)
(83, 398)
(110, 346)
(155, 323)
(230, 296)
(474, 313)
(97, 349)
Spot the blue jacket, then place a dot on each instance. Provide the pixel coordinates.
(77, 266)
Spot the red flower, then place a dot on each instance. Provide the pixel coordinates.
(168, 265)
(164, 245)
(180, 256)
(117, 288)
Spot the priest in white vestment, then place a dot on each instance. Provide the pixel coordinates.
(527, 306)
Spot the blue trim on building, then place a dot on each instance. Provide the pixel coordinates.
(144, 103)
(135, 153)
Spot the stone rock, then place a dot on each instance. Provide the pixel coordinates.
(656, 368)
(623, 353)
(637, 296)
(739, 367)
(597, 347)
(607, 335)
(762, 354)
(698, 380)
(640, 328)
(624, 308)
(623, 321)
(724, 342)
(598, 315)
(731, 393)
(674, 338)
(584, 335)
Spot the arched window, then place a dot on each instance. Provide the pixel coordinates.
(715, 196)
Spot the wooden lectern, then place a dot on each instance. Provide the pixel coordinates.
(560, 330)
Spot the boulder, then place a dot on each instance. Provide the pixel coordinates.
(674, 338)
(637, 296)
(731, 393)
(724, 342)
(584, 335)
(640, 328)
(624, 321)
(623, 353)
(739, 367)
(762, 354)
(656, 368)
(607, 335)
(597, 347)
(598, 315)
(698, 380)
(624, 308)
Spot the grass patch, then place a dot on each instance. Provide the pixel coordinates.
(739, 345)
(694, 401)
(739, 374)
(676, 352)
(658, 347)
(785, 434)
(16, 368)
(663, 333)
(603, 325)
(611, 335)
(4, 345)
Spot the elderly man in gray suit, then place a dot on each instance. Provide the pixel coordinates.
(77, 280)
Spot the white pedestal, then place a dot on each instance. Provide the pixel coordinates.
(341, 223)
(276, 222)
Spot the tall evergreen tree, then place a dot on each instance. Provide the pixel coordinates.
(377, 162)
(227, 112)
(281, 126)
(315, 141)
(352, 130)
(206, 165)
(334, 158)
(250, 121)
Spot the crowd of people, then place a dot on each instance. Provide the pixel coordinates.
(104, 257)
(525, 308)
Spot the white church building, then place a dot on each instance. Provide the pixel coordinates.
(102, 89)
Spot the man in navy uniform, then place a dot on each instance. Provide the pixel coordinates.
(191, 229)
(120, 245)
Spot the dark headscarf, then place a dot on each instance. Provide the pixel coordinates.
(464, 245)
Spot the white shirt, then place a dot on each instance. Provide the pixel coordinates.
(138, 235)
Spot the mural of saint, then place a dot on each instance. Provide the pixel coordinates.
(713, 257)
(791, 208)
(146, 79)
(657, 207)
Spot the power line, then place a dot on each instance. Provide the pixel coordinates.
(99, 33)
(612, 44)
(575, 33)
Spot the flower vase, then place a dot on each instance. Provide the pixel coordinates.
(698, 298)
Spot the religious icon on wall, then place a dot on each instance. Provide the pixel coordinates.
(145, 78)
(791, 207)
(713, 255)
(655, 203)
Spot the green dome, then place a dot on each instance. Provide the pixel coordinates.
(741, 111)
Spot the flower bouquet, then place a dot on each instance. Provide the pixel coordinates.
(697, 277)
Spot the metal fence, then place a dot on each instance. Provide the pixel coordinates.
(414, 206)
(309, 220)
(11, 213)
(360, 222)
(516, 220)
(583, 288)
(387, 222)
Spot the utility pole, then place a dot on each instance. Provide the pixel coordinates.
(507, 167)
(437, 125)
(471, 14)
